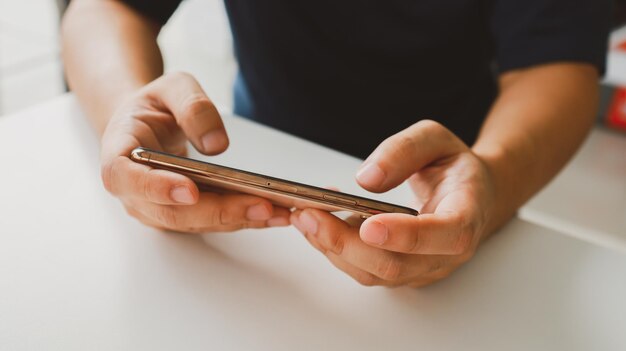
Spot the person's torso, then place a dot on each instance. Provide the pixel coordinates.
(348, 74)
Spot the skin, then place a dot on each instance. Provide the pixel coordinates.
(465, 193)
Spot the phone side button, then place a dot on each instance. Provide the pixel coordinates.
(286, 188)
(339, 199)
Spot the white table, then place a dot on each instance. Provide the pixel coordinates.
(76, 273)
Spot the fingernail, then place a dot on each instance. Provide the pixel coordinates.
(214, 140)
(258, 212)
(371, 175)
(278, 222)
(375, 233)
(182, 194)
(308, 223)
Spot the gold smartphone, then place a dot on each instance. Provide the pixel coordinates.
(279, 191)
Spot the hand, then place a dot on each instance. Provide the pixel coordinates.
(454, 189)
(163, 116)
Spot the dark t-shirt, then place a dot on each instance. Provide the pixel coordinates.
(350, 73)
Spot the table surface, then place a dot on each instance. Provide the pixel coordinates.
(77, 273)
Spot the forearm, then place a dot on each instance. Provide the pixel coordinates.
(109, 51)
(536, 125)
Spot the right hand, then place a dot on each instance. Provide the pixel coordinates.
(163, 115)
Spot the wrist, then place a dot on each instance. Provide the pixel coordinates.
(505, 185)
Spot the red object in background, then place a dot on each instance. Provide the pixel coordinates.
(620, 46)
(616, 116)
(614, 108)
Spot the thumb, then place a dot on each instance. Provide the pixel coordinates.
(194, 112)
(405, 153)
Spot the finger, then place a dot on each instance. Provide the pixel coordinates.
(362, 277)
(405, 153)
(433, 277)
(194, 112)
(280, 217)
(354, 220)
(121, 136)
(125, 178)
(445, 233)
(368, 279)
(133, 212)
(333, 236)
(295, 221)
(214, 212)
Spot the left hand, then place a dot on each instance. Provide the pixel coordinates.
(454, 189)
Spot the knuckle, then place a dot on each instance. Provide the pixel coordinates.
(148, 188)
(402, 145)
(177, 75)
(463, 243)
(437, 130)
(222, 217)
(404, 142)
(196, 104)
(167, 217)
(430, 127)
(366, 279)
(415, 243)
(389, 269)
(465, 238)
(337, 244)
(435, 266)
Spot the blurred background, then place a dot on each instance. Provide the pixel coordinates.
(197, 40)
(30, 65)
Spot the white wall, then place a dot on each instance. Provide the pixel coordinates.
(197, 39)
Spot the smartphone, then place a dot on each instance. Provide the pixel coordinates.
(279, 191)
